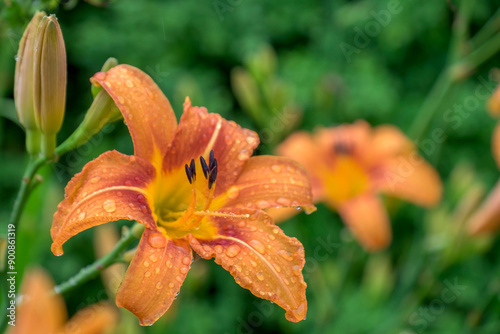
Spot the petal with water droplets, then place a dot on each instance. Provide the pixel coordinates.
(109, 188)
(154, 277)
(147, 112)
(260, 257)
(199, 132)
(269, 181)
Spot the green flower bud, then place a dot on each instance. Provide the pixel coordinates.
(23, 85)
(49, 78)
(110, 63)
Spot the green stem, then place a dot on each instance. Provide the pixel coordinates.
(489, 29)
(112, 257)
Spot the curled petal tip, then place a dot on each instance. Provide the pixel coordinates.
(56, 249)
(297, 314)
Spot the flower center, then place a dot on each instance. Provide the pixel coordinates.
(182, 206)
(346, 178)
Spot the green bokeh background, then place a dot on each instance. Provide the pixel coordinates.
(190, 48)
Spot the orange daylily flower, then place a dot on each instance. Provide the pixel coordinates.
(42, 312)
(486, 219)
(350, 164)
(195, 186)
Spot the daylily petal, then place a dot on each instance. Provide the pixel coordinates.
(147, 112)
(94, 319)
(40, 311)
(487, 218)
(386, 142)
(260, 257)
(269, 181)
(410, 177)
(301, 148)
(199, 132)
(109, 188)
(154, 276)
(367, 219)
(496, 145)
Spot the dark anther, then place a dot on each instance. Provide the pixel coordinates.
(193, 169)
(211, 160)
(212, 176)
(190, 171)
(204, 167)
(342, 147)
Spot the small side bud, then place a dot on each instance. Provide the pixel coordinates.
(49, 77)
(23, 85)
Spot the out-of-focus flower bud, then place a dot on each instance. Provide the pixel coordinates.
(493, 104)
(49, 77)
(262, 65)
(110, 63)
(23, 85)
(247, 93)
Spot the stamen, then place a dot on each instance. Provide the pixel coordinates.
(193, 170)
(204, 167)
(211, 160)
(212, 176)
(188, 173)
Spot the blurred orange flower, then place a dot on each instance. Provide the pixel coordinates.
(42, 312)
(350, 164)
(486, 219)
(194, 186)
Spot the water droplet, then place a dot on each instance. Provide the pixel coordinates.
(273, 180)
(296, 270)
(146, 263)
(251, 140)
(119, 194)
(186, 261)
(253, 263)
(233, 192)
(276, 230)
(241, 224)
(159, 285)
(157, 270)
(283, 201)
(169, 264)
(128, 183)
(147, 274)
(244, 154)
(218, 249)
(263, 204)
(258, 246)
(137, 179)
(290, 169)
(233, 250)
(95, 179)
(141, 198)
(82, 215)
(171, 285)
(153, 258)
(276, 267)
(129, 84)
(157, 240)
(179, 279)
(272, 237)
(260, 277)
(292, 180)
(109, 205)
(276, 168)
(285, 254)
(144, 209)
(121, 99)
(184, 270)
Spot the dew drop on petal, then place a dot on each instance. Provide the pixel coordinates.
(147, 274)
(184, 270)
(119, 194)
(233, 192)
(186, 261)
(82, 215)
(218, 249)
(121, 99)
(179, 279)
(276, 168)
(283, 201)
(260, 277)
(157, 240)
(95, 179)
(263, 204)
(276, 267)
(285, 254)
(233, 250)
(296, 270)
(144, 209)
(171, 285)
(169, 264)
(129, 84)
(159, 285)
(146, 263)
(244, 154)
(128, 183)
(153, 258)
(109, 205)
(276, 230)
(253, 263)
(258, 246)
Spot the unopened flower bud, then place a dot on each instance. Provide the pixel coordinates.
(49, 77)
(23, 85)
(110, 63)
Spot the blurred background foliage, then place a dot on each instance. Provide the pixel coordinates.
(276, 66)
